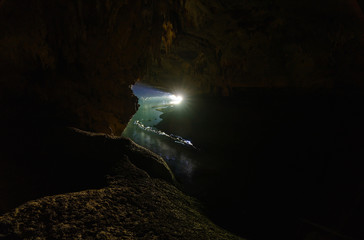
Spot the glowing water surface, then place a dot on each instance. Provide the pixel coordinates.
(176, 150)
(263, 158)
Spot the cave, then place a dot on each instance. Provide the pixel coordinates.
(193, 119)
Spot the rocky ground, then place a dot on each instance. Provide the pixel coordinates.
(132, 204)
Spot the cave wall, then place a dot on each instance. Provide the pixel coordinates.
(74, 61)
(223, 46)
(67, 64)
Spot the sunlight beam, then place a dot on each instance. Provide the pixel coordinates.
(176, 99)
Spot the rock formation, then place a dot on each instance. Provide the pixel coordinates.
(133, 204)
(224, 46)
(143, 209)
(72, 63)
(78, 58)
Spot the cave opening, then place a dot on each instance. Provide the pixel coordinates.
(259, 159)
(143, 128)
(253, 108)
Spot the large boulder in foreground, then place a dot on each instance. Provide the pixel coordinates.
(148, 209)
(132, 206)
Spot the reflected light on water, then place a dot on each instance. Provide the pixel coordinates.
(177, 157)
(176, 150)
(176, 138)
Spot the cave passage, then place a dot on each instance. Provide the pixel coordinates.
(176, 150)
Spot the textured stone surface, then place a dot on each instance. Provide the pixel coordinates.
(222, 46)
(71, 63)
(78, 58)
(133, 206)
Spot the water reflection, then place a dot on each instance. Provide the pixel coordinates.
(175, 138)
(176, 151)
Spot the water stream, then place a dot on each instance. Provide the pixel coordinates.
(205, 169)
(259, 158)
(177, 151)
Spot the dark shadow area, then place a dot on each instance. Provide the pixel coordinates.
(275, 113)
(281, 163)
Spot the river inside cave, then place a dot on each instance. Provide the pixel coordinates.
(257, 161)
(205, 142)
(177, 151)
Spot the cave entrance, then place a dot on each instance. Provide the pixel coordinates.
(259, 156)
(143, 129)
(200, 138)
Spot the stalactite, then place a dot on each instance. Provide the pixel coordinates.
(168, 36)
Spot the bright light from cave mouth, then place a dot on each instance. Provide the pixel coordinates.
(176, 99)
